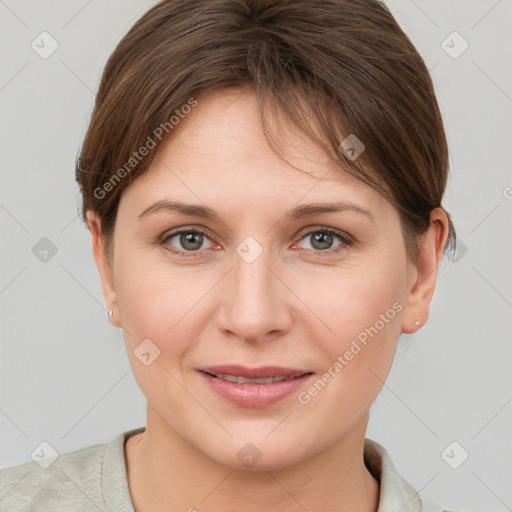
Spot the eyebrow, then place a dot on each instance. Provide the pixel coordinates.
(299, 212)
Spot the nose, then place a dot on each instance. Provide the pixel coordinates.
(255, 302)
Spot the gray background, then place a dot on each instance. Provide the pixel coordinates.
(65, 377)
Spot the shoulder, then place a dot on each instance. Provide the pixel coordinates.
(70, 482)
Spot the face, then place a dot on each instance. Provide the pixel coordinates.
(258, 284)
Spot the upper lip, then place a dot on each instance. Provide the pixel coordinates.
(253, 373)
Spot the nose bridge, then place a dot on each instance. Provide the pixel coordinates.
(254, 303)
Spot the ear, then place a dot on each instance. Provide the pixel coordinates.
(423, 275)
(103, 265)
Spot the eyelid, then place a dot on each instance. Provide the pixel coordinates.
(184, 229)
(343, 235)
(345, 238)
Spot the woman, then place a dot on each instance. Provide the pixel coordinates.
(262, 180)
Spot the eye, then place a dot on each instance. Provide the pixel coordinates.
(322, 240)
(189, 241)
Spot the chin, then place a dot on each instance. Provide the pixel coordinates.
(260, 454)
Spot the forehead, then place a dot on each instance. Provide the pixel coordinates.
(219, 154)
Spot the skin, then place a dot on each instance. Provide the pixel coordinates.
(290, 307)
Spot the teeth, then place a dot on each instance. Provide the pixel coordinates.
(242, 380)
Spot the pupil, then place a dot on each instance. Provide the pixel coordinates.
(324, 239)
(191, 240)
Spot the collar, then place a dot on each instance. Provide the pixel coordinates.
(396, 495)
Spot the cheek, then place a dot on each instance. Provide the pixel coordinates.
(160, 302)
(351, 299)
(156, 304)
(361, 310)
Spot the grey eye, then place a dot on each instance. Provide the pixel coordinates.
(187, 241)
(321, 240)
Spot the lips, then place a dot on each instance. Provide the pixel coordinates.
(254, 387)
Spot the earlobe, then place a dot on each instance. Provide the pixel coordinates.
(421, 291)
(103, 265)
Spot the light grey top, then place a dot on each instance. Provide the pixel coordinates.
(94, 479)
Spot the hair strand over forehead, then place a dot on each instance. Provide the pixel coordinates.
(332, 67)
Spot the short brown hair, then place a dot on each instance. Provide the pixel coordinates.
(333, 67)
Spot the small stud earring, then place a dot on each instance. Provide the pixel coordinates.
(417, 323)
(110, 314)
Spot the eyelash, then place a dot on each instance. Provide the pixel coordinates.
(344, 238)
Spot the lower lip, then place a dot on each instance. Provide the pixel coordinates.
(255, 396)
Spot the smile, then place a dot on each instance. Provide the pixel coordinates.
(254, 388)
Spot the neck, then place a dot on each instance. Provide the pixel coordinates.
(166, 473)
